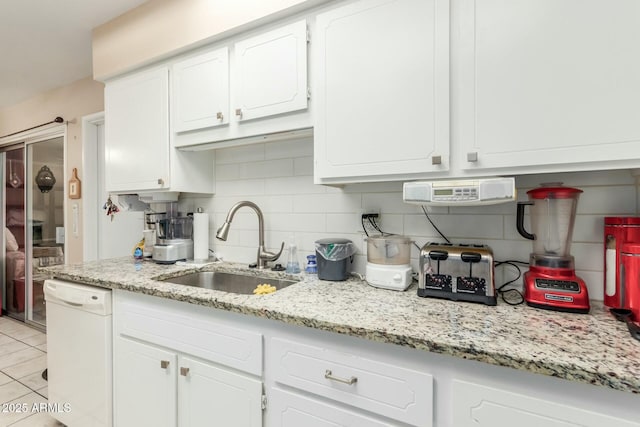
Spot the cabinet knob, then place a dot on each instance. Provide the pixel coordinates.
(219, 116)
(184, 371)
(160, 181)
(349, 381)
(436, 160)
(472, 156)
(239, 112)
(164, 364)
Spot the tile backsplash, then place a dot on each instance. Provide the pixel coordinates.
(278, 177)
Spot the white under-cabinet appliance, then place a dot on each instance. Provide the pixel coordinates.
(79, 353)
(463, 192)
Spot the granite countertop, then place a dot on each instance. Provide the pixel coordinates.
(592, 348)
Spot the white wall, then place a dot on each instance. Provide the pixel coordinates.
(278, 176)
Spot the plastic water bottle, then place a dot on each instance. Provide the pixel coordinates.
(293, 266)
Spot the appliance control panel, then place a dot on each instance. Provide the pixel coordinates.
(558, 285)
(481, 191)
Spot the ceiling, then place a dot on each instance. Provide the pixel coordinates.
(47, 44)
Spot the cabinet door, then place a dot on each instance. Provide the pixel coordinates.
(381, 72)
(270, 73)
(200, 91)
(549, 83)
(294, 410)
(144, 385)
(475, 405)
(211, 396)
(137, 131)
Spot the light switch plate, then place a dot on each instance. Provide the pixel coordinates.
(60, 235)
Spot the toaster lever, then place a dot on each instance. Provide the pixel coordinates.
(470, 256)
(438, 256)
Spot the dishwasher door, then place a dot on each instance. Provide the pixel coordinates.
(79, 353)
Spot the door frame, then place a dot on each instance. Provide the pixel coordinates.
(92, 158)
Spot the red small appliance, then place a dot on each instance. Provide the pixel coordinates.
(618, 231)
(629, 274)
(551, 282)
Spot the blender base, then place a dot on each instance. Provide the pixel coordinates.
(557, 289)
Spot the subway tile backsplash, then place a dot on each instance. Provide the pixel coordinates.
(278, 177)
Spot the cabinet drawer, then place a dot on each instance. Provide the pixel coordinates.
(293, 410)
(476, 405)
(399, 393)
(188, 329)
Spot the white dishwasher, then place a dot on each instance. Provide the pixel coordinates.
(79, 353)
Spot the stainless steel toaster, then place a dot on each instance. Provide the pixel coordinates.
(459, 272)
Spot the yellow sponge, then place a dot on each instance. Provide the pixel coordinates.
(264, 289)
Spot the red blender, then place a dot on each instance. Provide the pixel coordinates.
(551, 282)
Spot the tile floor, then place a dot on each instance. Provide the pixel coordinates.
(23, 357)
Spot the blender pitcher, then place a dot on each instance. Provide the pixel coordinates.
(553, 213)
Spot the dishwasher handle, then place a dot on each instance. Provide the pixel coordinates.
(84, 297)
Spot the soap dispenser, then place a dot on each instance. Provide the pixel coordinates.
(293, 266)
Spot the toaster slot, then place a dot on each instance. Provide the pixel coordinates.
(471, 284)
(441, 282)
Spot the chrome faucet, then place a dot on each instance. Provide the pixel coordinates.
(264, 256)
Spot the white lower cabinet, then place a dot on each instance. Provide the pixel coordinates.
(181, 364)
(145, 385)
(158, 387)
(476, 405)
(364, 383)
(287, 409)
(209, 395)
(178, 365)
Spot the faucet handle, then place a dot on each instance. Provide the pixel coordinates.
(270, 256)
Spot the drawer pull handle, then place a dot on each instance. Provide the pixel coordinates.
(328, 375)
(164, 364)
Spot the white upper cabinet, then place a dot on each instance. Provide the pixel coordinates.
(271, 72)
(138, 155)
(381, 90)
(548, 85)
(201, 91)
(137, 131)
(254, 86)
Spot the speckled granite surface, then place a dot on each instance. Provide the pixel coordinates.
(593, 348)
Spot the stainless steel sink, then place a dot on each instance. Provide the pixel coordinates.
(228, 282)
